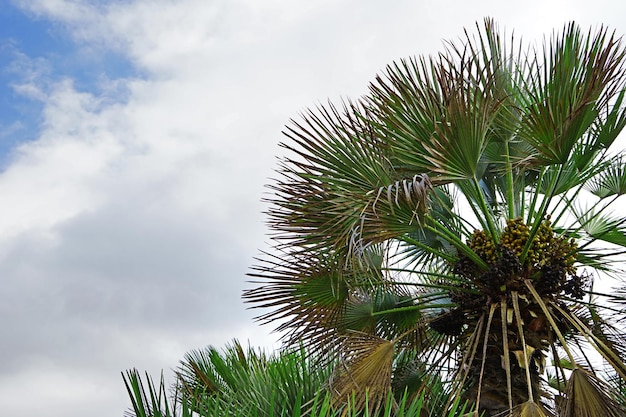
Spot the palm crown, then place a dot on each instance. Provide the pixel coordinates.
(449, 226)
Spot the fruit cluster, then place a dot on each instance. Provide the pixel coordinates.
(500, 274)
(484, 246)
(515, 235)
(549, 260)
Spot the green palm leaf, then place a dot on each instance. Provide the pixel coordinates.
(611, 181)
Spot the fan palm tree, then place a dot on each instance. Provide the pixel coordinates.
(455, 221)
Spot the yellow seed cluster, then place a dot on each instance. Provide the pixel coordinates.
(546, 247)
(543, 244)
(565, 249)
(515, 235)
(483, 246)
(549, 263)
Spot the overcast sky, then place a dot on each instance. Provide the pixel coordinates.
(135, 141)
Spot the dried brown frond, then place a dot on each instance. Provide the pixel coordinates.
(588, 396)
(528, 409)
(364, 376)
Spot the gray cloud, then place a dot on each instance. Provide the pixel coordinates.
(127, 227)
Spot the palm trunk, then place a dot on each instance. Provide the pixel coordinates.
(490, 391)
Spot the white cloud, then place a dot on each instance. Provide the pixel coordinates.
(127, 227)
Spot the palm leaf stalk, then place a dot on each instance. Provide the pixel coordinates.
(459, 214)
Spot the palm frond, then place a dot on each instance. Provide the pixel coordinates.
(582, 74)
(588, 396)
(528, 409)
(611, 181)
(602, 226)
(365, 372)
(149, 399)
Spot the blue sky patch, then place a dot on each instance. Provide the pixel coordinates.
(38, 50)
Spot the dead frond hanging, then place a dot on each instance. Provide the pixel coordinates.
(410, 191)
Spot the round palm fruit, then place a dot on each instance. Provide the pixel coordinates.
(500, 275)
(575, 286)
(551, 249)
(543, 246)
(550, 279)
(484, 246)
(550, 259)
(466, 268)
(515, 235)
(509, 261)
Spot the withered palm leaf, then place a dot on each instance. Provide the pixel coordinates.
(364, 372)
(588, 396)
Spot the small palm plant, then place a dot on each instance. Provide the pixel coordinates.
(231, 382)
(452, 225)
(237, 382)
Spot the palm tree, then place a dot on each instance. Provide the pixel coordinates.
(455, 221)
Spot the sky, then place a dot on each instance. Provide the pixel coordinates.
(136, 140)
